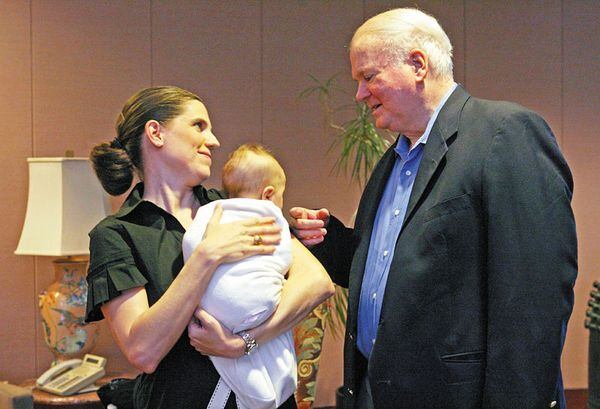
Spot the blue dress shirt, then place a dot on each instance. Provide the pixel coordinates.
(386, 229)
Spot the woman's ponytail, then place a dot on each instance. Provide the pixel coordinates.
(113, 167)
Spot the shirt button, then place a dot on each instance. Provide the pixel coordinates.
(408, 173)
(374, 296)
(396, 212)
(385, 253)
(553, 404)
(373, 341)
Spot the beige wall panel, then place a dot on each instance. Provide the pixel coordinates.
(213, 48)
(301, 38)
(513, 52)
(88, 58)
(450, 15)
(580, 141)
(17, 300)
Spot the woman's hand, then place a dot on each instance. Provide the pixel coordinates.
(225, 243)
(209, 337)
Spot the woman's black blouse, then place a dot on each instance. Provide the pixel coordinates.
(138, 246)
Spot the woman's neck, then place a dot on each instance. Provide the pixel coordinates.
(176, 199)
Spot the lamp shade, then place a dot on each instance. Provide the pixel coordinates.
(65, 202)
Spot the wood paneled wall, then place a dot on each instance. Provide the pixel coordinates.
(68, 66)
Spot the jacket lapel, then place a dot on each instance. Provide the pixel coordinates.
(436, 147)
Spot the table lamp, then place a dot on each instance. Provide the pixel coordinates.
(65, 202)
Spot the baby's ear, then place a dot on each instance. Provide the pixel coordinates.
(267, 193)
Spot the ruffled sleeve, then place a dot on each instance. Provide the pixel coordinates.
(112, 269)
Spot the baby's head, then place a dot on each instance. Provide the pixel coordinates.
(253, 172)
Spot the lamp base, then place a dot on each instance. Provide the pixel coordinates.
(62, 306)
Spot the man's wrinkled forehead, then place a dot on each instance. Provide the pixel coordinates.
(366, 57)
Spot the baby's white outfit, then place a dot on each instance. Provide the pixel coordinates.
(241, 296)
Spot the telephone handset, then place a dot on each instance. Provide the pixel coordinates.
(68, 377)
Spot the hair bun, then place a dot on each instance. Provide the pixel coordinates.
(116, 144)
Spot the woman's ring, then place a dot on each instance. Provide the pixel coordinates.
(257, 240)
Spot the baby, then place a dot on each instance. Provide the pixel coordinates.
(242, 295)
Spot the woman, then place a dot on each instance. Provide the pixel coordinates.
(137, 278)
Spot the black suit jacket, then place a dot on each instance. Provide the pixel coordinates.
(481, 283)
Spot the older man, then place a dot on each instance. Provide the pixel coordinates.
(462, 260)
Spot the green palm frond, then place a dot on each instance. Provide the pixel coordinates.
(359, 142)
(324, 89)
(361, 146)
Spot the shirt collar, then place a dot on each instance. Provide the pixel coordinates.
(135, 198)
(403, 146)
(132, 201)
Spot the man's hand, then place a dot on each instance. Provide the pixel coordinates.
(309, 225)
(209, 337)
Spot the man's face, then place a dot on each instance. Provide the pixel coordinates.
(388, 88)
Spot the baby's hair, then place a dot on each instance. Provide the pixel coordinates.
(249, 169)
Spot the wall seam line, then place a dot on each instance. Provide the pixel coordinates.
(150, 3)
(262, 73)
(464, 24)
(562, 75)
(31, 73)
(33, 259)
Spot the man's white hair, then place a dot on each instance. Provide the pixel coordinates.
(397, 32)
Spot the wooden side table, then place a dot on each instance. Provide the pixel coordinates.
(88, 400)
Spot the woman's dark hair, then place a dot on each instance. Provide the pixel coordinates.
(115, 162)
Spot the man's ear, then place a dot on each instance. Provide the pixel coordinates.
(267, 193)
(419, 62)
(153, 132)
